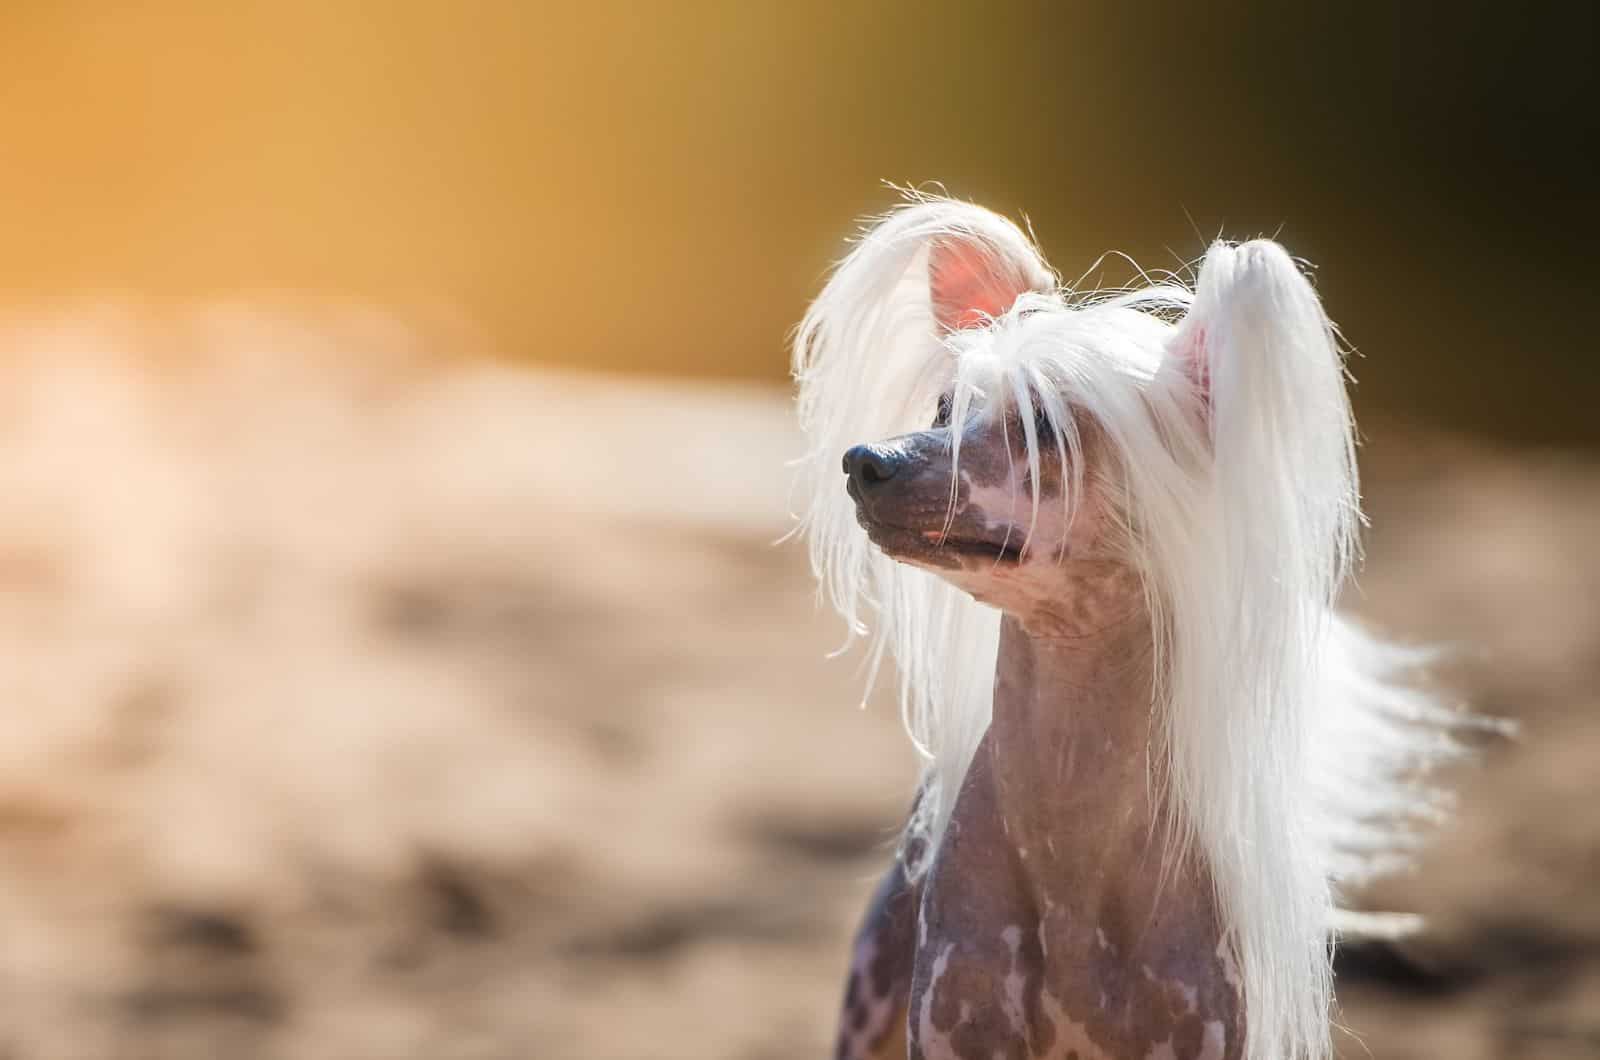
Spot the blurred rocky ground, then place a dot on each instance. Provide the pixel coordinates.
(362, 702)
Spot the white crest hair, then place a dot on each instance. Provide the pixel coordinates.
(1290, 744)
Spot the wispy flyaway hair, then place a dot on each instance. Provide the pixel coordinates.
(1289, 745)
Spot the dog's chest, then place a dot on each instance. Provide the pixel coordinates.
(1012, 962)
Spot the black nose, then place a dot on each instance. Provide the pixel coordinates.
(869, 465)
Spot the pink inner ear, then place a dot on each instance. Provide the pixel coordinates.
(969, 284)
(1190, 350)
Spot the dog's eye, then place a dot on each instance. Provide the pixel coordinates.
(946, 406)
(1041, 418)
(1047, 432)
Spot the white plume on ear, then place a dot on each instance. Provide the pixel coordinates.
(1293, 744)
(871, 361)
(1248, 583)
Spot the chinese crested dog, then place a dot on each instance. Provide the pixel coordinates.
(1101, 536)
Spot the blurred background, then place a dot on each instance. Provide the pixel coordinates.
(395, 655)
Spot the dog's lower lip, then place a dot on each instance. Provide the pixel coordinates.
(1006, 551)
(937, 539)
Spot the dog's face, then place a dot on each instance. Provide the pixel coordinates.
(973, 521)
(1011, 492)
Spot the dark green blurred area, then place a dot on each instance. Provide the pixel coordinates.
(659, 187)
(1433, 162)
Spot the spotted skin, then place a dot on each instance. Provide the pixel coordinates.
(872, 1024)
(1047, 931)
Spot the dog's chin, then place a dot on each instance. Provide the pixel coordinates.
(934, 547)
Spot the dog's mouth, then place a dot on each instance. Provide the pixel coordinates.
(939, 545)
(936, 545)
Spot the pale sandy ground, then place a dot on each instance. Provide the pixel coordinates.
(362, 705)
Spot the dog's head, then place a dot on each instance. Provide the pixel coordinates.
(1008, 488)
(1010, 437)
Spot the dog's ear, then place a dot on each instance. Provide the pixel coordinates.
(1264, 359)
(871, 358)
(971, 282)
(1255, 320)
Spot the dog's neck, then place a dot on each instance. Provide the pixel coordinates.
(1131, 946)
(1072, 741)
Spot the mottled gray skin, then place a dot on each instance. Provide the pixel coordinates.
(1051, 923)
(872, 1025)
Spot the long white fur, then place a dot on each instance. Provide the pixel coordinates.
(1290, 743)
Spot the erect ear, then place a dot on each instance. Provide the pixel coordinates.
(1254, 317)
(870, 355)
(971, 282)
(1264, 359)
